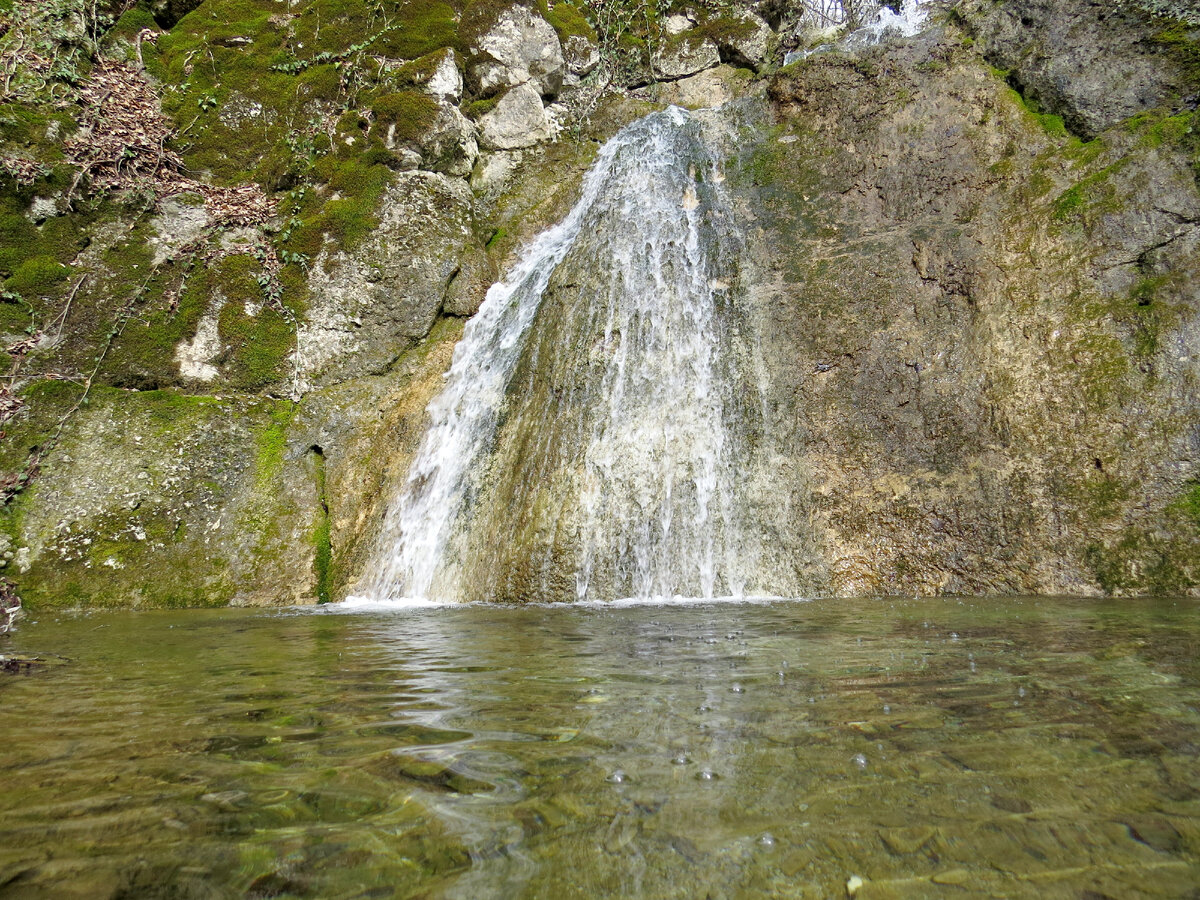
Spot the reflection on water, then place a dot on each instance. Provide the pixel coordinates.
(1029, 748)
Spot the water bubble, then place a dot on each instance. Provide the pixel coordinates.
(887, 710)
(954, 635)
(617, 777)
(681, 760)
(859, 760)
(738, 689)
(707, 775)
(766, 839)
(1020, 692)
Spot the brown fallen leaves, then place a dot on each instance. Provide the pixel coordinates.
(122, 145)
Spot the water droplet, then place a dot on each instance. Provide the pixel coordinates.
(738, 689)
(766, 839)
(681, 760)
(617, 777)
(1020, 692)
(954, 635)
(859, 760)
(887, 710)
(707, 775)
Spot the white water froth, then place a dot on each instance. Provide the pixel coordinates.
(909, 21)
(401, 604)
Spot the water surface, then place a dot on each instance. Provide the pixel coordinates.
(1007, 748)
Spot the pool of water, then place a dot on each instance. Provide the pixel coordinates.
(1008, 748)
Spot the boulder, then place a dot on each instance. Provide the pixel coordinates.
(469, 286)
(520, 48)
(450, 145)
(684, 55)
(369, 306)
(518, 120)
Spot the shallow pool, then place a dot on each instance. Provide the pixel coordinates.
(1008, 748)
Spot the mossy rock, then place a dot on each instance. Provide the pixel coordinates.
(411, 114)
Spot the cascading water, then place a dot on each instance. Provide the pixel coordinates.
(586, 443)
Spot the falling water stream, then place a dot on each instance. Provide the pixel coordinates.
(586, 442)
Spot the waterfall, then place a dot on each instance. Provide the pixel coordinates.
(586, 442)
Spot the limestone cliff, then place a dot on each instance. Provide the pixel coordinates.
(970, 272)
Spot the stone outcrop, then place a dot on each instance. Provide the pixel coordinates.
(683, 55)
(518, 120)
(977, 328)
(1093, 64)
(520, 48)
(369, 307)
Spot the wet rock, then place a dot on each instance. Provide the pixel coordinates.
(468, 288)
(518, 120)
(520, 48)
(684, 55)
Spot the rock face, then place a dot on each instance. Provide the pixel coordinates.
(967, 317)
(1095, 64)
(370, 307)
(521, 48)
(581, 55)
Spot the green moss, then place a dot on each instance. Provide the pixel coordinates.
(321, 537)
(1189, 503)
(270, 444)
(257, 345)
(408, 112)
(1088, 199)
(39, 276)
(477, 109)
(568, 20)
(427, 25)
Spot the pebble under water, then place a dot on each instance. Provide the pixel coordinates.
(904, 748)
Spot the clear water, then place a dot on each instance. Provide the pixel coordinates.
(1007, 748)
